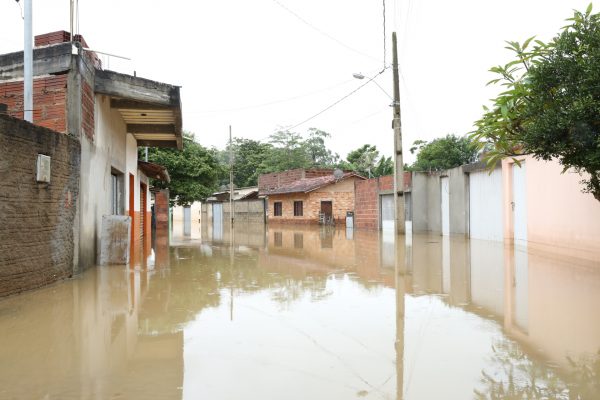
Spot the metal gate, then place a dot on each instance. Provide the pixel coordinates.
(387, 212)
(485, 205)
(217, 215)
(445, 189)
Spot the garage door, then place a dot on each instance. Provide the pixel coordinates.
(387, 212)
(485, 205)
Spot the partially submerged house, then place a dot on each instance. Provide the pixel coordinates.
(322, 199)
(110, 114)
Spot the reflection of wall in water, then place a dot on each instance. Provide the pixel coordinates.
(487, 275)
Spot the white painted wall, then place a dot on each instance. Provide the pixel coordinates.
(111, 148)
(485, 205)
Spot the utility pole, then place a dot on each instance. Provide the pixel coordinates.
(231, 210)
(28, 64)
(398, 162)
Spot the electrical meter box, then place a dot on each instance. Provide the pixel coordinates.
(43, 169)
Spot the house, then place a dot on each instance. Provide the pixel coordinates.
(310, 200)
(110, 114)
(248, 206)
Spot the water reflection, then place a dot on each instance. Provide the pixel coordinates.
(312, 313)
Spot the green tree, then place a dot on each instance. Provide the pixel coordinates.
(194, 171)
(551, 102)
(443, 153)
(248, 156)
(384, 167)
(363, 159)
(287, 152)
(318, 153)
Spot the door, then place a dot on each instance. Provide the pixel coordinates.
(387, 213)
(131, 206)
(143, 221)
(187, 221)
(327, 210)
(217, 214)
(445, 191)
(519, 204)
(485, 205)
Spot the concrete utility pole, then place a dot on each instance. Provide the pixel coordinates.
(28, 64)
(398, 162)
(231, 210)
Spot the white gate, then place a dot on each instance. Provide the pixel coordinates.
(387, 212)
(445, 188)
(217, 221)
(519, 204)
(187, 221)
(485, 205)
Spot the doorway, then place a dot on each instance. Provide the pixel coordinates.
(143, 201)
(519, 204)
(327, 211)
(132, 205)
(445, 194)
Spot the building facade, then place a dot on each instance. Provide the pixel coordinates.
(110, 114)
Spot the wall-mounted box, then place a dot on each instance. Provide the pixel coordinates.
(43, 168)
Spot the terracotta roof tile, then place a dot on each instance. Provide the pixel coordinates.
(310, 184)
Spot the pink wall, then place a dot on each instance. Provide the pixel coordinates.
(559, 215)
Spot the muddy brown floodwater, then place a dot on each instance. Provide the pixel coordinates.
(309, 313)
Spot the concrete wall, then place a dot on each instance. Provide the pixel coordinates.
(252, 211)
(37, 220)
(559, 216)
(427, 199)
(110, 149)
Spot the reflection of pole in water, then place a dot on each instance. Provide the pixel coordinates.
(231, 269)
(402, 259)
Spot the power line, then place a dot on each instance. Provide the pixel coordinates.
(338, 101)
(272, 102)
(323, 32)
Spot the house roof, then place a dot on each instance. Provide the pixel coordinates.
(238, 194)
(310, 184)
(151, 110)
(154, 171)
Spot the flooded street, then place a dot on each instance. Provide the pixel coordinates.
(310, 313)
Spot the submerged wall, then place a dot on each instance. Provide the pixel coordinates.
(37, 220)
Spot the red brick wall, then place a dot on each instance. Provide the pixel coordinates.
(87, 110)
(49, 101)
(367, 204)
(367, 193)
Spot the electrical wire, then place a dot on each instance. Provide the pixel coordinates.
(270, 103)
(338, 101)
(323, 32)
(21, 8)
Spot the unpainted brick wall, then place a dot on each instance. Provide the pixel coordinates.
(49, 101)
(36, 219)
(367, 194)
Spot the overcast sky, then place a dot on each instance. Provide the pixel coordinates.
(261, 64)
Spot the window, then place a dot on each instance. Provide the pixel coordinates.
(277, 209)
(297, 209)
(116, 193)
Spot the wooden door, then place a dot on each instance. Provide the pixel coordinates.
(327, 209)
(131, 205)
(143, 221)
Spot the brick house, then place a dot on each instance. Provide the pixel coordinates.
(305, 199)
(110, 114)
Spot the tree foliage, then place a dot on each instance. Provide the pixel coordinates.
(443, 153)
(550, 105)
(194, 171)
(366, 161)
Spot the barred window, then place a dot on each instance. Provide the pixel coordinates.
(298, 212)
(277, 209)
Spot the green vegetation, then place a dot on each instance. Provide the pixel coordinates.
(443, 153)
(551, 101)
(194, 171)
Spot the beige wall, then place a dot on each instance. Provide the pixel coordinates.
(340, 194)
(559, 215)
